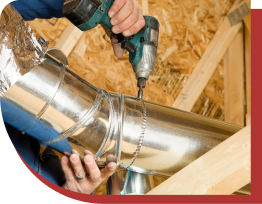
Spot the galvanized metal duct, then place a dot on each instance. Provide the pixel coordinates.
(60, 109)
(129, 183)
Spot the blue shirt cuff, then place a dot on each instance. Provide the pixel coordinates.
(44, 9)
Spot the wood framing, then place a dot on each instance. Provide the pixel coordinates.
(145, 9)
(69, 39)
(247, 19)
(208, 63)
(221, 171)
(248, 74)
(234, 81)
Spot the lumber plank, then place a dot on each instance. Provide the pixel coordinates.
(145, 9)
(207, 64)
(221, 171)
(234, 81)
(68, 39)
(247, 19)
(248, 74)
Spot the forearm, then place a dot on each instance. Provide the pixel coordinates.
(45, 9)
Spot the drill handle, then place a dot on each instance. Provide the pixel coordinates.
(106, 20)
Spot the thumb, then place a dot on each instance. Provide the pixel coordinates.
(119, 52)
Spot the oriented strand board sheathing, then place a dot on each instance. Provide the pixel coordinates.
(50, 29)
(211, 101)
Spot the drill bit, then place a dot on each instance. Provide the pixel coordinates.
(141, 83)
(140, 93)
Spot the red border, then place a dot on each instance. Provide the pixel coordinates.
(256, 146)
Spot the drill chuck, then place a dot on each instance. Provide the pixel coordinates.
(141, 83)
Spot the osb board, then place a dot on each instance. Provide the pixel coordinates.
(211, 100)
(186, 29)
(50, 29)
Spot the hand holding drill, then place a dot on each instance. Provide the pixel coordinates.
(139, 39)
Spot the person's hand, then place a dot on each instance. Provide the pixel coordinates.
(127, 19)
(84, 178)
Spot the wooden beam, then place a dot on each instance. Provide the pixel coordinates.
(208, 63)
(248, 74)
(145, 9)
(69, 39)
(247, 19)
(234, 81)
(221, 171)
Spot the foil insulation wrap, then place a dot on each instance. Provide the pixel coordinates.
(20, 48)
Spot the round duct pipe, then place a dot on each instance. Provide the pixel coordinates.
(62, 110)
(129, 183)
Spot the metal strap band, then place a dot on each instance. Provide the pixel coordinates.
(239, 14)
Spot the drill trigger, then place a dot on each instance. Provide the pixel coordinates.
(120, 38)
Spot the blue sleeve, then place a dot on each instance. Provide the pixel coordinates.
(45, 9)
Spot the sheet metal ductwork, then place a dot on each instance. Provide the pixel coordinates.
(62, 110)
(129, 183)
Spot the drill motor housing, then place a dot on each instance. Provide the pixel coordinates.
(142, 47)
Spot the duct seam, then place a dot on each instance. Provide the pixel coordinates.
(142, 134)
(120, 127)
(81, 122)
(109, 132)
(42, 111)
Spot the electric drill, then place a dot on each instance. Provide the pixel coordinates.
(142, 47)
